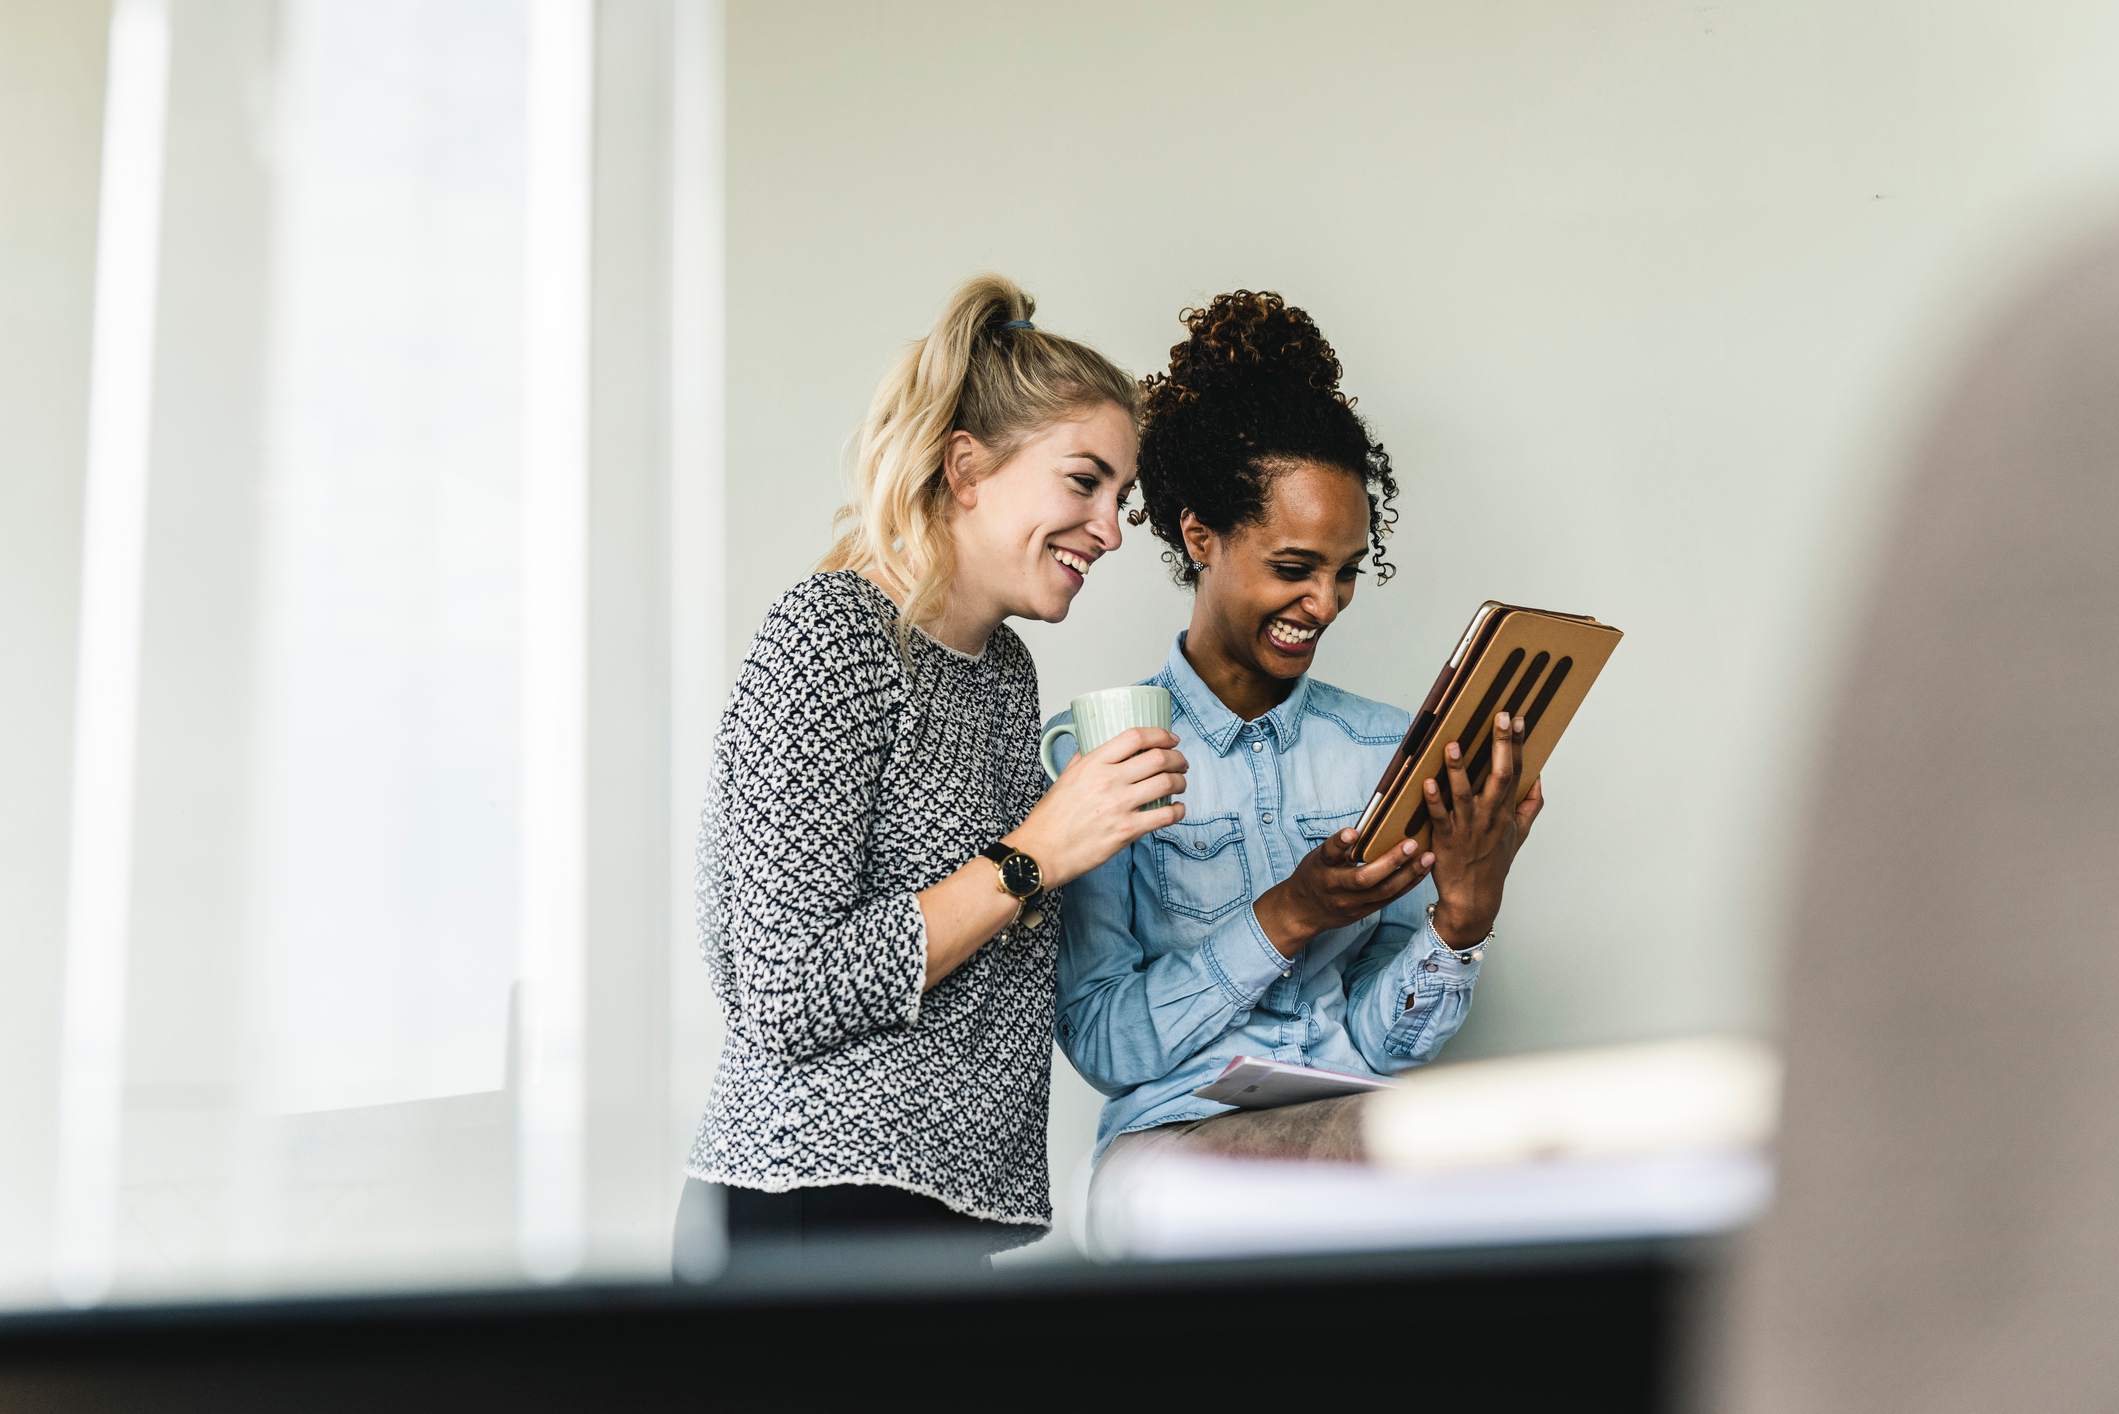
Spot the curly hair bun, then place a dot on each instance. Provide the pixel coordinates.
(1253, 389)
(1250, 336)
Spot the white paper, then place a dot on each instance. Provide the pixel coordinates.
(1263, 1085)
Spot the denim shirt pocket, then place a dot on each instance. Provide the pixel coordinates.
(1322, 825)
(1200, 867)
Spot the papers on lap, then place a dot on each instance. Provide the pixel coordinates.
(1263, 1085)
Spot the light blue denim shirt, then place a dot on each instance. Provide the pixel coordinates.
(1165, 975)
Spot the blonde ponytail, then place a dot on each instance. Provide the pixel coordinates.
(984, 370)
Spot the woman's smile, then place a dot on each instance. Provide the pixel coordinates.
(1291, 637)
(1074, 564)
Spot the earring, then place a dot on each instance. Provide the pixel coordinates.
(1197, 567)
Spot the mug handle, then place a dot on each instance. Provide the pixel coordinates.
(1044, 745)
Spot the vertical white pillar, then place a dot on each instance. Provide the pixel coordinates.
(698, 609)
(551, 1213)
(107, 671)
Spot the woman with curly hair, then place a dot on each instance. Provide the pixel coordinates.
(1247, 928)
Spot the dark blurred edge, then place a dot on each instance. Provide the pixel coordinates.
(1599, 1326)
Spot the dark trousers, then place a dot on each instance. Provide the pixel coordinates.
(835, 1223)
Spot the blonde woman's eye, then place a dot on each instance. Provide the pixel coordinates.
(1086, 483)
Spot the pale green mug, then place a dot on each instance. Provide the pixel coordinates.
(1094, 718)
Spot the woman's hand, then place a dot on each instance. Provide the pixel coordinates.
(1329, 890)
(1476, 837)
(1094, 809)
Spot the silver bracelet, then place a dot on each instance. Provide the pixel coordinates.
(1471, 954)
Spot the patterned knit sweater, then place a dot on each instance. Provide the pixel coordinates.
(846, 779)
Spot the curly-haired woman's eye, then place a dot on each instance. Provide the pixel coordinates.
(1292, 572)
(1350, 574)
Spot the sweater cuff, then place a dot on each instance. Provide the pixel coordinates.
(914, 979)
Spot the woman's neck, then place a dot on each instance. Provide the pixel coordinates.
(1243, 689)
(957, 623)
(963, 628)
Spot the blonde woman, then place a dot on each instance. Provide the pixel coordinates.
(881, 859)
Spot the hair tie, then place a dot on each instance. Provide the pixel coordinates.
(1018, 324)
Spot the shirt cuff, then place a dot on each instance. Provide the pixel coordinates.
(1434, 961)
(1243, 960)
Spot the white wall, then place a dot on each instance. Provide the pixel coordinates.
(1639, 296)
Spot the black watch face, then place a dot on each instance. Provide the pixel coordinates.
(1019, 873)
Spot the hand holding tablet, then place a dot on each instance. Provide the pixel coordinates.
(1533, 665)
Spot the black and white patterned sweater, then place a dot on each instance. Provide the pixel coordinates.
(846, 779)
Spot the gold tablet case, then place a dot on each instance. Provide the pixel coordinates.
(1511, 659)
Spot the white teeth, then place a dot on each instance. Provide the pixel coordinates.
(1288, 635)
(1072, 561)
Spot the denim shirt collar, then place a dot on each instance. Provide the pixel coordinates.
(1218, 726)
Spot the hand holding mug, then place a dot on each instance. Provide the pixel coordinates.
(1115, 791)
(1104, 801)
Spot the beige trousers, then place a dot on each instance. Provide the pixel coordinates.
(1326, 1131)
(1321, 1129)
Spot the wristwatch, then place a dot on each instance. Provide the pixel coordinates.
(1017, 876)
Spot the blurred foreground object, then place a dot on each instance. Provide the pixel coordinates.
(1655, 1141)
(1946, 1231)
(1709, 1095)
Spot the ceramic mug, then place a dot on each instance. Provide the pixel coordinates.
(1094, 718)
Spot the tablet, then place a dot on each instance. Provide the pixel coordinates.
(1530, 662)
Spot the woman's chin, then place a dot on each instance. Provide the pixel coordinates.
(1277, 661)
(1274, 665)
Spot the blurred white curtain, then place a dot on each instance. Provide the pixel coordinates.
(388, 669)
(323, 1045)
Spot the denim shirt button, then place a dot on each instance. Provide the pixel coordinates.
(1258, 746)
(1430, 966)
(1267, 817)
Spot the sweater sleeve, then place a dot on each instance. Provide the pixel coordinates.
(808, 961)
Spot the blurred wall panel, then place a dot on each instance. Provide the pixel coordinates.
(187, 1066)
(697, 529)
(389, 695)
(322, 1027)
(386, 742)
(632, 1185)
(51, 109)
